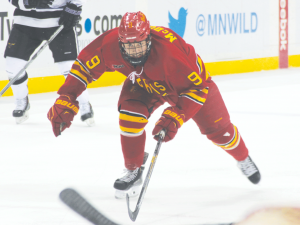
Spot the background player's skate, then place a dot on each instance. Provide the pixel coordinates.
(87, 114)
(21, 111)
(131, 182)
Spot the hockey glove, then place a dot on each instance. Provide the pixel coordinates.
(70, 16)
(171, 119)
(30, 4)
(62, 113)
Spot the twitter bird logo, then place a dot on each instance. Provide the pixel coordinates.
(178, 25)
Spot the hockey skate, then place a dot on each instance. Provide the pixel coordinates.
(21, 111)
(250, 170)
(131, 182)
(87, 114)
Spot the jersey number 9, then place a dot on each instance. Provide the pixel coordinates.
(94, 62)
(195, 78)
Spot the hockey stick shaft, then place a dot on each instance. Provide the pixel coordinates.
(32, 59)
(133, 215)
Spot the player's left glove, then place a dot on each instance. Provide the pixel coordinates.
(171, 120)
(70, 16)
(62, 113)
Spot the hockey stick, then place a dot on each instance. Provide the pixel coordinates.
(31, 59)
(133, 214)
(81, 206)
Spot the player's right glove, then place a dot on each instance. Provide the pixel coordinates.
(70, 16)
(171, 120)
(62, 113)
(30, 4)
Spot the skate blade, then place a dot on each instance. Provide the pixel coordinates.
(90, 122)
(20, 120)
(132, 192)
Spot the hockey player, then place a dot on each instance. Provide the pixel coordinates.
(35, 21)
(160, 67)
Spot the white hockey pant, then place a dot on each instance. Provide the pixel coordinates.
(13, 67)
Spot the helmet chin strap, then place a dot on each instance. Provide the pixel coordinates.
(132, 75)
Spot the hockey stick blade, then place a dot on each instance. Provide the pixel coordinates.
(81, 206)
(133, 214)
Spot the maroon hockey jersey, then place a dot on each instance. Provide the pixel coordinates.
(173, 71)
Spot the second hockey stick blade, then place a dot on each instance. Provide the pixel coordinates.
(80, 205)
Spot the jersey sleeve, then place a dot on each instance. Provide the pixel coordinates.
(191, 83)
(88, 67)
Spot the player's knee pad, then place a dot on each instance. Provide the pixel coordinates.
(64, 67)
(13, 67)
(228, 138)
(133, 118)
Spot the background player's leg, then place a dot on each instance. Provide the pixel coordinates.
(86, 110)
(214, 121)
(19, 88)
(13, 66)
(18, 50)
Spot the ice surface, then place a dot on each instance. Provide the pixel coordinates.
(193, 182)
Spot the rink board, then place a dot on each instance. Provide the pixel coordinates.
(52, 83)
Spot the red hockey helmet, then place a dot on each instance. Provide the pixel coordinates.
(134, 38)
(134, 27)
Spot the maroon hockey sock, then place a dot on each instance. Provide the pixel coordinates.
(133, 150)
(231, 141)
(240, 153)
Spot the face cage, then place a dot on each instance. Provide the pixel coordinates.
(140, 61)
